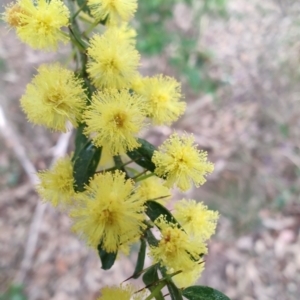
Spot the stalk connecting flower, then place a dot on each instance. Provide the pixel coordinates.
(115, 117)
(179, 161)
(110, 213)
(38, 23)
(54, 97)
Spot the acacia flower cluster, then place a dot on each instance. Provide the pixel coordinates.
(111, 103)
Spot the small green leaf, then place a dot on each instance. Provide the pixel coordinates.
(140, 260)
(85, 165)
(175, 293)
(107, 259)
(143, 155)
(151, 276)
(197, 292)
(80, 140)
(155, 209)
(151, 280)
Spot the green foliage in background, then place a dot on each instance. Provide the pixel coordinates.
(159, 36)
(14, 292)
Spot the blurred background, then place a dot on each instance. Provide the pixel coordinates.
(238, 62)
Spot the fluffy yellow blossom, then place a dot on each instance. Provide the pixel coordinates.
(153, 188)
(109, 212)
(179, 161)
(121, 293)
(188, 278)
(57, 185)
(54, 97)
(115, 117)
(137, 83)
(123, 33)
(196, 219)
(38, 23)
(114, 10)
(176, 249)
(12, 15)
(113, 60)
(163, 96)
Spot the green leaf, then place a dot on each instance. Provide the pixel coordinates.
(197, 292)
(140, 260)
(151, 280)
(151, 239)
(143, 155)
(80, 140)
(175, 293)
(85, 165)
(107, 258)
(155, 209)
(151, 276)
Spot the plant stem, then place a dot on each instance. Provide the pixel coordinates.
(138, 178)
(78, 11)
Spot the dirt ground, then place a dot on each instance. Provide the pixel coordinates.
(250, 128)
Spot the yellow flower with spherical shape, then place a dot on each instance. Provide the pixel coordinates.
(54, 97)
(163, 96)
(114, 118)
(152, 188)
(179, 162)
(57, 184)
(196, 219)
(39, 23)
(176, 250)
(109, 213)
(113, 60)
(113, 11)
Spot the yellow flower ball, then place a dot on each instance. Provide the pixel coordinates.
(176, 250)
(181, 163)
(115, 11)
(113, 60)
(39, 23)
(109, 212)
(163, 95)
(57, 185)
(114, 118)
(152, 188)
(54, 97)
(196, 219)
